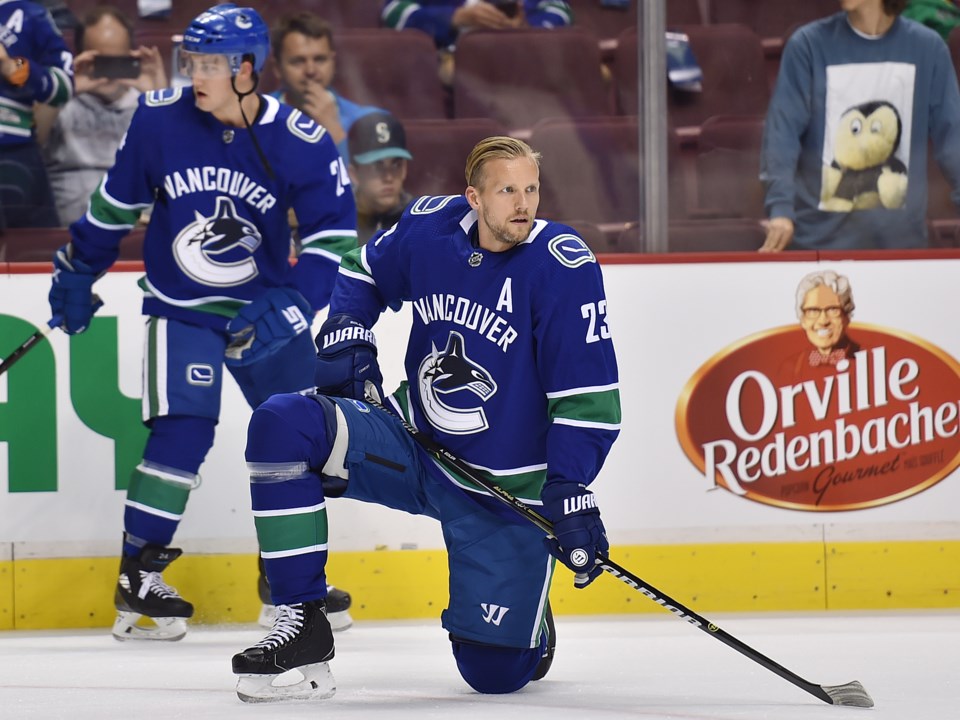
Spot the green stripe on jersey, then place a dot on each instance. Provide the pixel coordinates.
(152, 391)
(225, 307)
(351, 262)
(339, 244)
(396, 11)
(107, 213)
(277, 533)
(598, 407)
(559, 8)
(62, 87)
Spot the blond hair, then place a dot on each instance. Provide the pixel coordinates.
(498, 147)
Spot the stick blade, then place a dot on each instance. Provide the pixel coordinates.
(851, 694)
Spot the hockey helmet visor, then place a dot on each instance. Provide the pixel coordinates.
(237, 33)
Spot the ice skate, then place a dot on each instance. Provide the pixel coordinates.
(301, 641)
(142, 593)
(338, 605)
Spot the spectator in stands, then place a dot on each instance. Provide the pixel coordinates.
(444, 20)
(378, 167)
(941, 15)
(859, 95)
(305, 62)
(85, 136)
(35, 67)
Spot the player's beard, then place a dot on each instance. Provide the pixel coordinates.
(507, 233)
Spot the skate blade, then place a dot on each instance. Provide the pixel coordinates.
(317, 684)
(338, 620)
(168, 629)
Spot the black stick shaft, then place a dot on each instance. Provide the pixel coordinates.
(27, 344)
(662, 599)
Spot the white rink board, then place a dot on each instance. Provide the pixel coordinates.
(666, 320)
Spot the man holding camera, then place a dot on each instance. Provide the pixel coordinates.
(109, 77)
(35, 67)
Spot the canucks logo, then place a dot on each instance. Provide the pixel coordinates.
(218, 250)
(571, 250)
(451, 373)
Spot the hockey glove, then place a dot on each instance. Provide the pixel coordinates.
(264, 326)
(347, 360)
(71, 294)
(578, 533)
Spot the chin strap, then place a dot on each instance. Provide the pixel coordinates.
(256, 144)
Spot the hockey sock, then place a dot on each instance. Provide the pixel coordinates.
(285, 439)
(161, 484)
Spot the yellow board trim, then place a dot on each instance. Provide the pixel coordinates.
(405, 584)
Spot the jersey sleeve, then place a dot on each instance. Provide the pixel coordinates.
(549, 13)
(576, 362)
(436, 21)
(375, 276)
(787, 118)
(51, 68)
(124, 192)
(323, 202)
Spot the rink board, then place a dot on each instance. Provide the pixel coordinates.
(69, 430)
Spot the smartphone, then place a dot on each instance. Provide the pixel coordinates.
(116, 67)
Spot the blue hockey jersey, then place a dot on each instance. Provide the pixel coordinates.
(28, 31)
(509, 363)
(219, 233)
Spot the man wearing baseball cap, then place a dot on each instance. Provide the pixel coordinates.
(378, 168)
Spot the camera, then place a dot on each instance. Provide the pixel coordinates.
(116, 67)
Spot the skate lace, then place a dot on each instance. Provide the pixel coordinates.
(152, 582)
(286, 626)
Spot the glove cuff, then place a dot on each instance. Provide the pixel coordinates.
(341, 328)
(563, 498)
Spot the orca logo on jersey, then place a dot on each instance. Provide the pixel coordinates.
(218, 250)
(449, 372)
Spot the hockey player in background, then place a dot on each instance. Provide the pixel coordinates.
(509, 364)
(221, 165)
(35, 68)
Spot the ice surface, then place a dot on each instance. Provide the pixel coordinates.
(644, 667)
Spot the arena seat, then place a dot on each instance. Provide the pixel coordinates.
(439, 149)
(770, 19)
(393, 70)
(734, 76)
(517, 77)
(728, 167)
(590, 168)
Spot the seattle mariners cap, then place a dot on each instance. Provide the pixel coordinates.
(376, 136)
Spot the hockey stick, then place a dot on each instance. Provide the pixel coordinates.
(27, 344)
(851, 693)
(54, 322)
